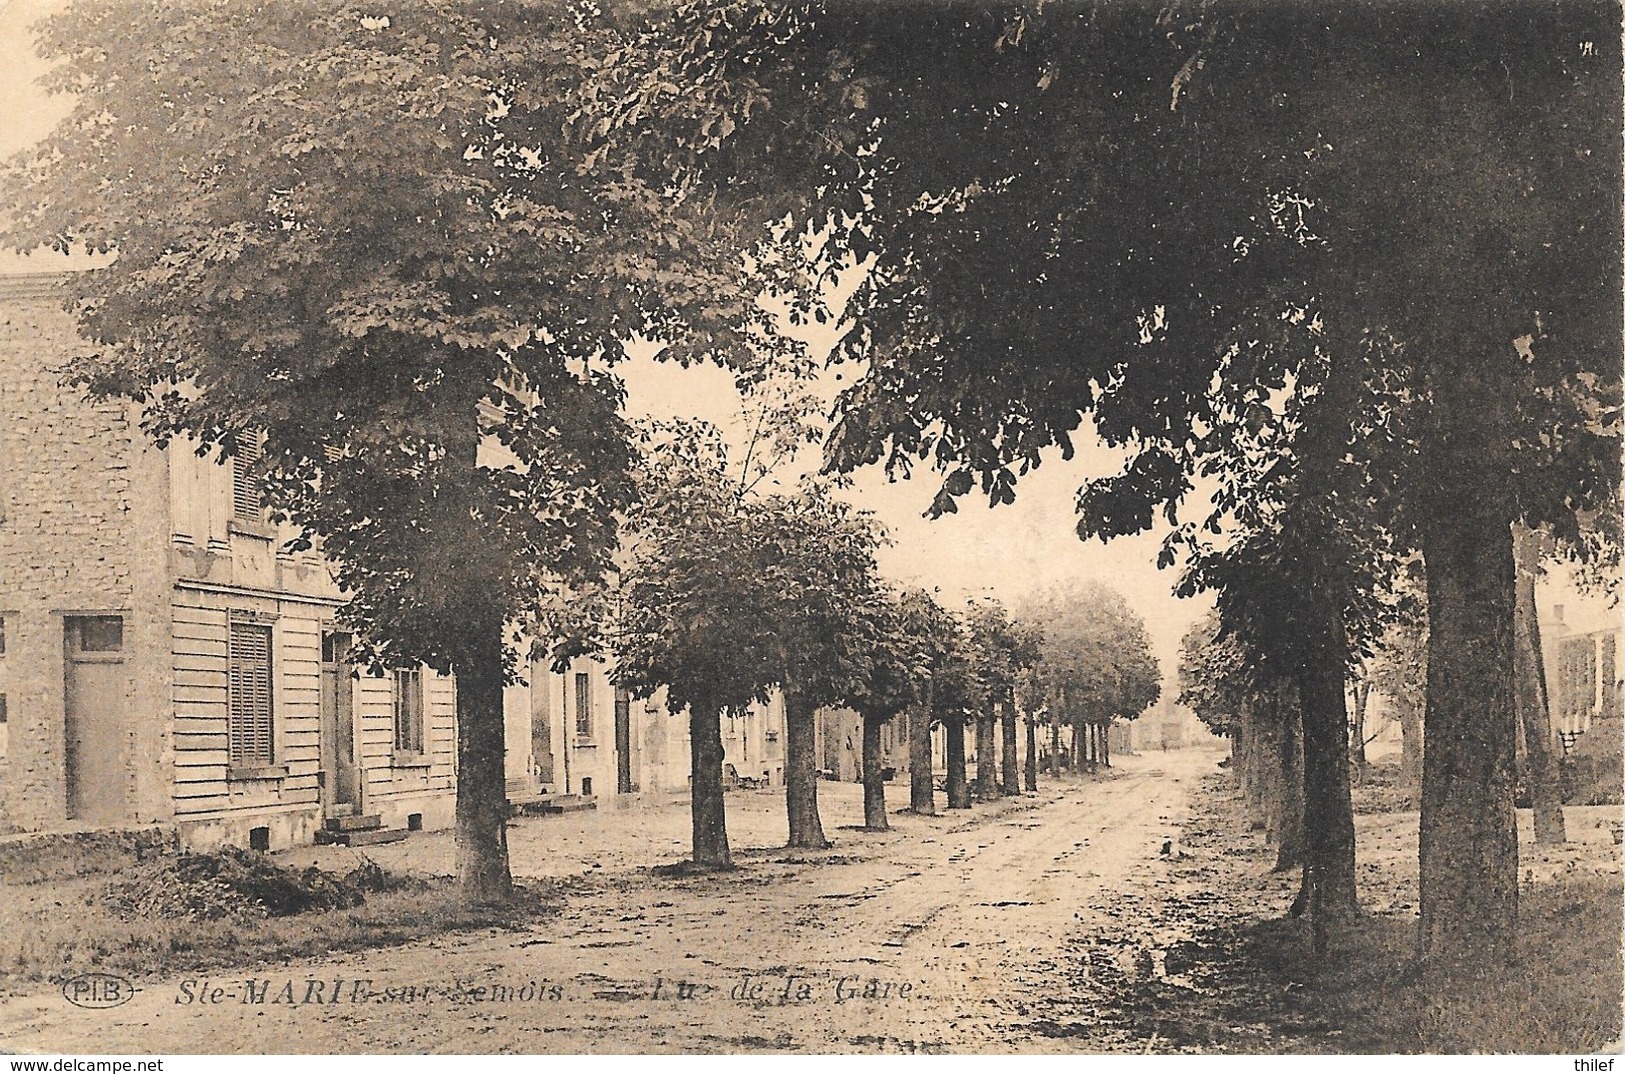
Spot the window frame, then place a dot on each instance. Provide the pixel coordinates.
(248, 486)
(582, 696)
(408, 717)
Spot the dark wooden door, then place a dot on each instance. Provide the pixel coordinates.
(541, 720)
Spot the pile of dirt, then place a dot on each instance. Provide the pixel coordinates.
(233, 883)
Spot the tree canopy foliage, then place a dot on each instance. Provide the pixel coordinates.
(1246, 246)
(364, 241)
(1095, 663)
(1212, 679)
(1005, 647)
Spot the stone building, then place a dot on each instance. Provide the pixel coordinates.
(165, 660)
(839, 744)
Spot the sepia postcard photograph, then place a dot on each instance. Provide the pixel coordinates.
(804, 527)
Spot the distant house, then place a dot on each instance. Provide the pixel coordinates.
(1165, 726)
(1582, 657)
(576, 733)
(839, 745)
(165, 660)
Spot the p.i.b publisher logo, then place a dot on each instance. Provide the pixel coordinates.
(98, 991)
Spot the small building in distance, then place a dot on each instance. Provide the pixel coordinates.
(1581, 648)
(1167, 725)
(575, 733)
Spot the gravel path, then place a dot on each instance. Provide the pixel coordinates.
(940, 936)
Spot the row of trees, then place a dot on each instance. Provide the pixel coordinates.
(1240, 694)
(725, 595)
(399, 254)
(1236, 242)
(1250, 255)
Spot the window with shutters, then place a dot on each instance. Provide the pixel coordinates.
(583, 706)
(250, 728)
(246, 502)
(409, 713)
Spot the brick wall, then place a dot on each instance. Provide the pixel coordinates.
(84, 531)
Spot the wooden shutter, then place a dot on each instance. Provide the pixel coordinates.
(250, 731)
(246, 502)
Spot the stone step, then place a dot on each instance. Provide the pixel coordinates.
(354, 824)
(568, 803)
(550, 804)
(369, 837)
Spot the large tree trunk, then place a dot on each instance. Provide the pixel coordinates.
(1011, 784)
(1362, 697)
(986, 775)
(1410, 738)
(1328, 810)
(921, 789)
(1267, 740)
(1253, 768)
(1468, 862)
(874, 783)
(707, 812)
(481, 835)
(1106, 744)
(958, 789)
(1031, 780)
(1289, 744)
(1054, 746)
(801, 775)
(481, 809)
(1530, 697)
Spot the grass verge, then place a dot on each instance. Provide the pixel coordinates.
(1563, 995)
(1245, 979)
(51, 932)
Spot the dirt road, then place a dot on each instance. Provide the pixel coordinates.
(946, 934)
